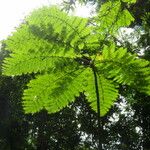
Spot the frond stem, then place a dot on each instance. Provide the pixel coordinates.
(98, 107)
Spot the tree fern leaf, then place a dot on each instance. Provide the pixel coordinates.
(111, 17)
(124, 67)
(107, 90)
(75, 27)
(53, 91)
(19, 64)
(40, 44)
(63, 50)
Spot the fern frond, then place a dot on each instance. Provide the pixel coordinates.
(111, 17)
(107, 90)
(48, 37)
(52, 24)
(63, 49)
(53, 91)
(124, 67)
(18, 64)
